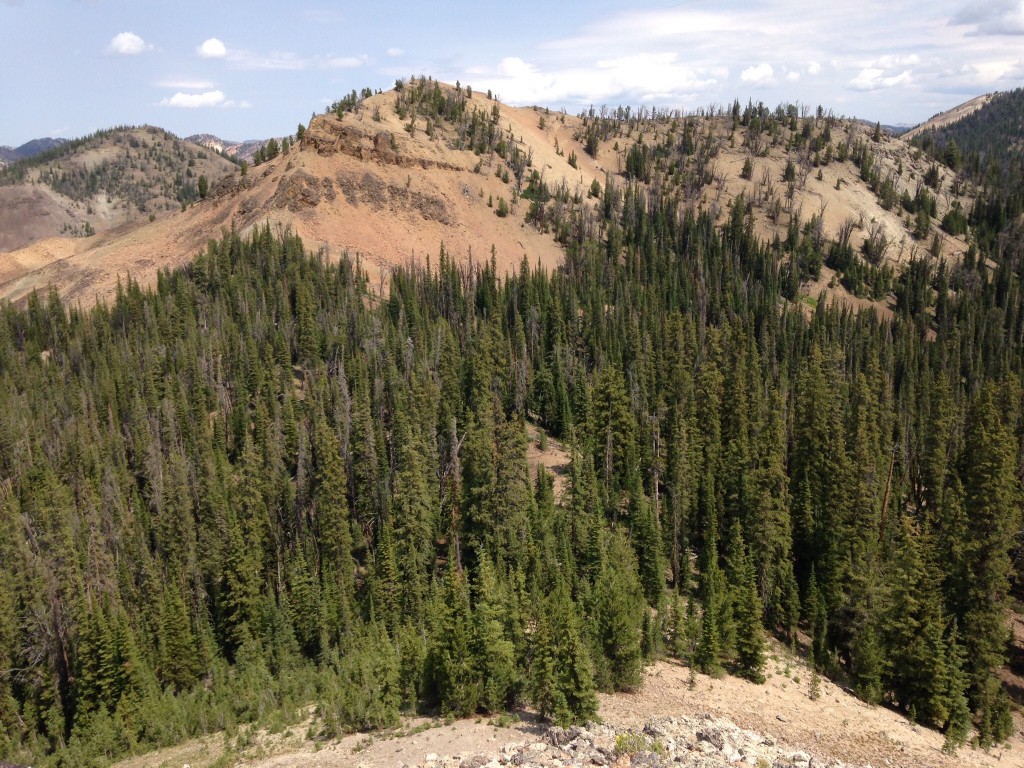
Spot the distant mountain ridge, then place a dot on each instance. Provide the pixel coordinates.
(29, 149)
(398, 173)
(950, 116)
(986, 137)
(240, 150)
(87, 185)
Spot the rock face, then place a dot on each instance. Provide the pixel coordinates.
(699, 742)
(302, 190)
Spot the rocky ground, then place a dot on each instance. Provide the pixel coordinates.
(673, 719)
(700, 742)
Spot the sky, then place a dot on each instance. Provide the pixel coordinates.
(244, 70)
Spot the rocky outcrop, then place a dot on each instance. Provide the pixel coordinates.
(301, 189)
(375, 192)
(232, 184)
(329, 135)
(698, 742)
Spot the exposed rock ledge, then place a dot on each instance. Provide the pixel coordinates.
(699, 742)
(329, 136)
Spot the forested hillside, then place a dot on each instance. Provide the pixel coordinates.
(260, 485)
(988, 144)
(91, 184)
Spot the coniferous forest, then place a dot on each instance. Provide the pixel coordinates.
(259, 485)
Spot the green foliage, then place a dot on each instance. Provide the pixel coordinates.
(359, 690)
(256, 485)
(618, 613)
(458, 677)
(561, 683)
(750, 640)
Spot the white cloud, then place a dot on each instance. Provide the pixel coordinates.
(873, 78)
(194, 100)
(128, 44)
(992, 17)
(393, 52)
(761, 74)
(513, 66)
(846, 56)
(649, 77)
(992, 74)
(212, 48)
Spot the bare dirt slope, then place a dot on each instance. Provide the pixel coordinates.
(949, 116)
(833, 727)
(355, 184)
(391, 190)
(29, 213)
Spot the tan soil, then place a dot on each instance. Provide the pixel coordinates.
(836, 726)
(554, 458)
(368, 187)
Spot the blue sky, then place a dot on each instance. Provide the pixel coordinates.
(255, 69)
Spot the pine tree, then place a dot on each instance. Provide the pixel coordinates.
(717, 637)
(647, 545)
(459, 680)
(771, 529)
(494, 652)
(913, 626)
(817, 619)
(680, 486)
(545, 692)
(576, 679)
(958, 721)
(615, 448)
(363, 692)
(334, 533)
(363, 455)
(177, 666)
(618, 613)
(750, 641)
(992, 500)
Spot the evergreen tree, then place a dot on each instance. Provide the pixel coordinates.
(177, 645)
(992, 502)
(545, 692)
(494, 652)
(618, 614)
(333, 531)
(459, 681)
(717, 636)
(750, 641)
